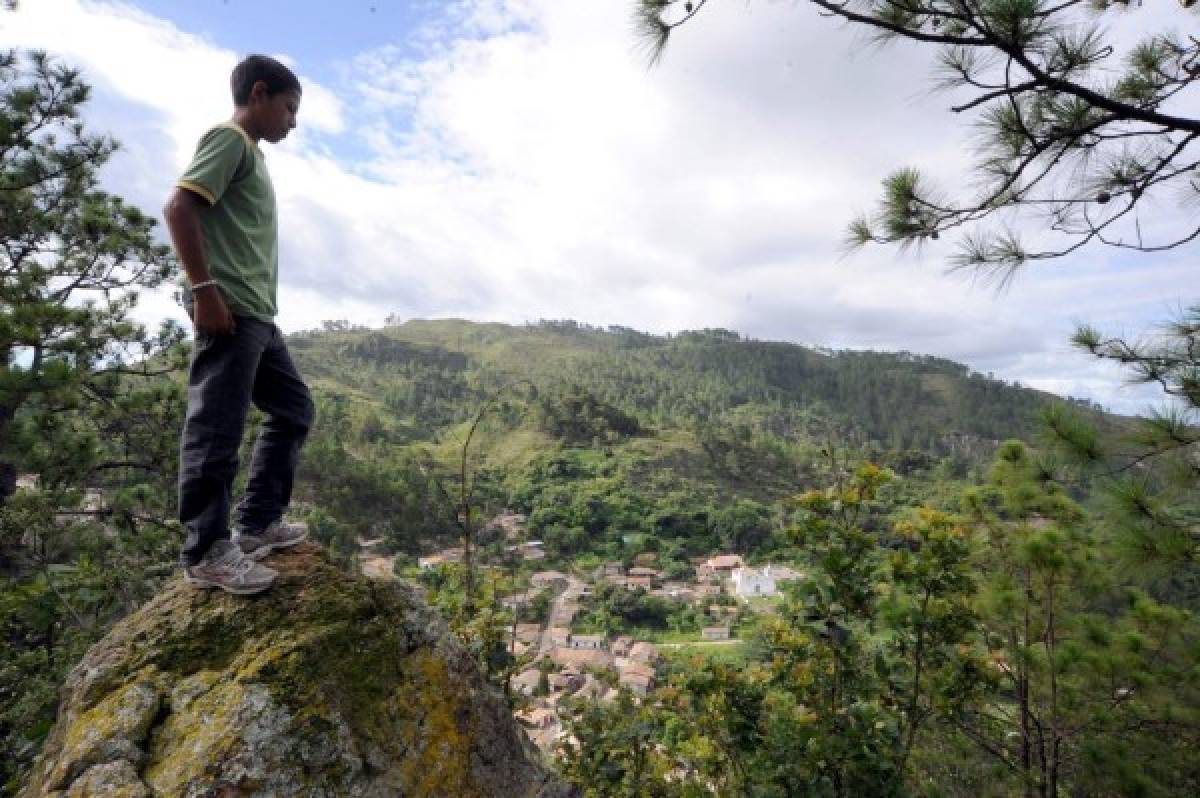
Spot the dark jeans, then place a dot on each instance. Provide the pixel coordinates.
(227, 373)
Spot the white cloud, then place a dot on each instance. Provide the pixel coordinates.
(526, 164)
(180, 76)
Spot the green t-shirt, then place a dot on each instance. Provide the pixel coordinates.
(241, 239)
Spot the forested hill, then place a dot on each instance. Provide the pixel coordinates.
(434, 373)
(599, 433)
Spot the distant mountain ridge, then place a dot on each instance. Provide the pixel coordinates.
(603, 435)
(435, 372)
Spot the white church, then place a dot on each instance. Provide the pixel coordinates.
(750, 582)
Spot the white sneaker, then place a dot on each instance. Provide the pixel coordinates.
(226, 567)
(279, 535)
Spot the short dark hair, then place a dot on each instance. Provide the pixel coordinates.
(254, 68)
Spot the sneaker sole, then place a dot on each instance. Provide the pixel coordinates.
(205, 584)
(263, 551)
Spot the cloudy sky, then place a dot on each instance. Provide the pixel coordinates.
(512, 160)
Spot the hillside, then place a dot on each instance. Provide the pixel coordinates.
(621, 431)
(433, 372)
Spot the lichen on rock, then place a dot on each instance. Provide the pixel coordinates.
(327, 685)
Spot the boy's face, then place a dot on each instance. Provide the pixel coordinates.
(275, 114)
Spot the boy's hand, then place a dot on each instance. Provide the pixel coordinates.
(212, 316)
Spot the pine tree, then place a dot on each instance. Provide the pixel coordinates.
(1090, 673)
(1079, 134)
(1149, 470)
(85, 401)
(73, 260)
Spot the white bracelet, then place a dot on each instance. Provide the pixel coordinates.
(204, 284)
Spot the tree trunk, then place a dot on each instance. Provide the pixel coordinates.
(8, 481)
(1023, 698)
(8, 471)
(1051, 649)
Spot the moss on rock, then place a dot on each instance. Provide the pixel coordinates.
(328, 684)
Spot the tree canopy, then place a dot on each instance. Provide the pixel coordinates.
(73, 260)
(86, 404)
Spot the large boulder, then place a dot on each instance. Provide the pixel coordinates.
(326, 685)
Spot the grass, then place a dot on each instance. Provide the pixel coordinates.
(764, 604)
(722, 654)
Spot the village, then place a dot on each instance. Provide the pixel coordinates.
(557, 660)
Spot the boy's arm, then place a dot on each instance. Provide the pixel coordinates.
(211, 315)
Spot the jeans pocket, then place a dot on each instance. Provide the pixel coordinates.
(203, 342)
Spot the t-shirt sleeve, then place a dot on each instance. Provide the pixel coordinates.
(217, 157)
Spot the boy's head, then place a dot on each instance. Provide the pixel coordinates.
(269, 91)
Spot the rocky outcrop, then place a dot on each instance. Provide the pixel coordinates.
(327, 685)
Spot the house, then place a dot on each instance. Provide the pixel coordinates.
(580, 658)
(589, 642)
(643, 652)
(93, 500)
(548, 579)
(528, 551)
(715, 633)
(639, 684)
(520, 600)
(560, 636)
(748, 582)
(634, 582)
(377, 567)
(719, 567)
(566, 682)
(440, 558)
(784, 574)
(577, 590)
(761, 582)
(28, 481)
(677, 591)
(637, 677)
(592, 688)
(640, 571)
(646, 558)
(613, 568)
(565, 611)
(531, 552)
(620, 646)
(517, 648)
(537, 717)
(511, 524)
(704, 591)
(528, 632)
(526, 681)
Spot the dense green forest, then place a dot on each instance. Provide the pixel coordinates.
(431, 373)
(598, 433)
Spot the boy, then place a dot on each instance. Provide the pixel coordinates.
(222, 221)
